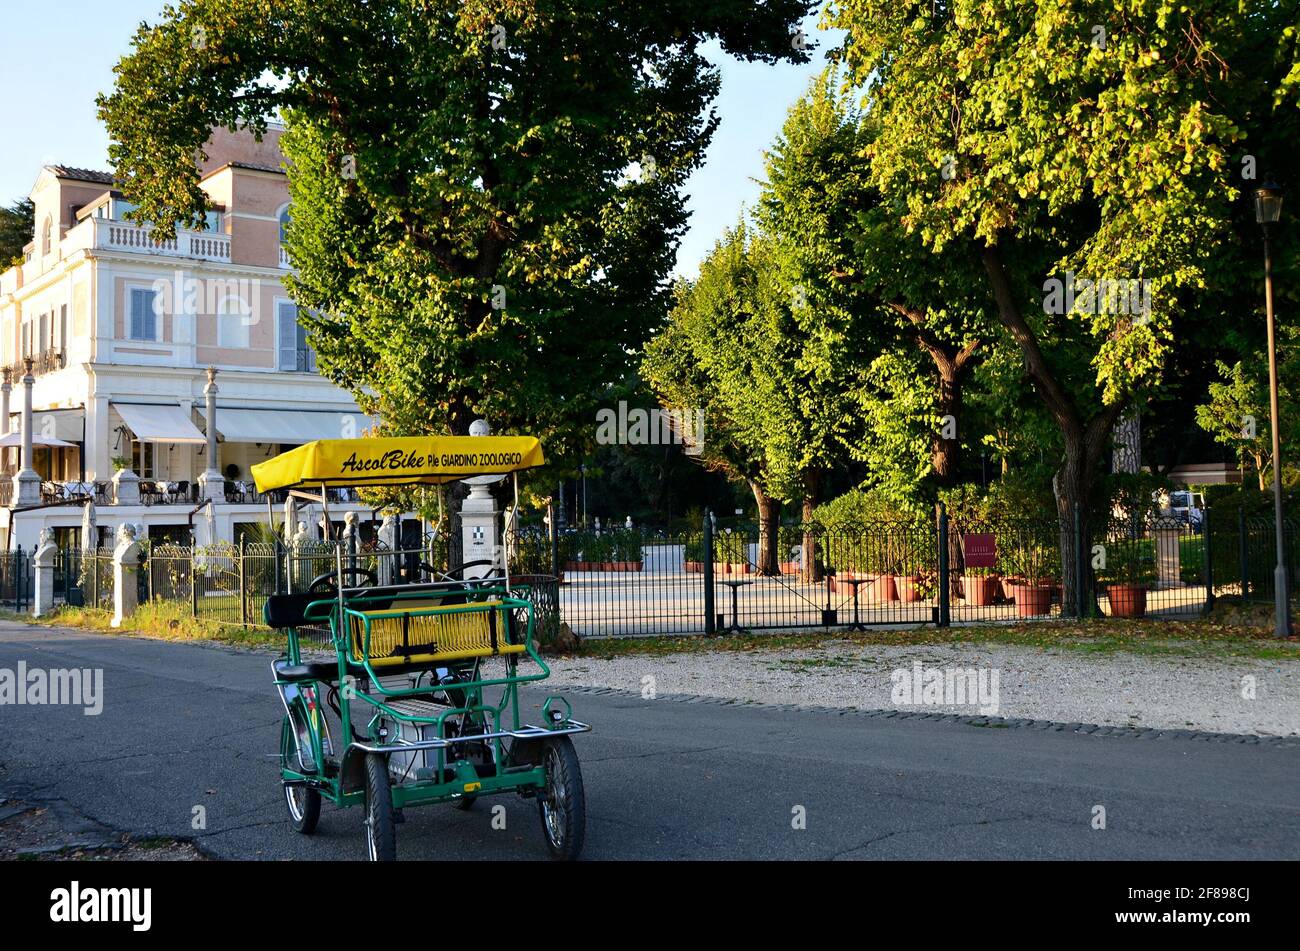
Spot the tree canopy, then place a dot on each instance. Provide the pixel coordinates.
(486, 195)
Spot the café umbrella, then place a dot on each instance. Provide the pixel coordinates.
(15, 441)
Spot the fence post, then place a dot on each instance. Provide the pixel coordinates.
(710, 619)
(43, 564)
(1243, 557)
(194, 585)
(555, 540)
(945, 592)
(1209, 559)
(126, 586)
(243, 593)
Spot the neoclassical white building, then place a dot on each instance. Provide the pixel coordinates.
(119, 330)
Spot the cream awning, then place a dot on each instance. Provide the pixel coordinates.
(69, 424)
(294, 426)
(155, 422)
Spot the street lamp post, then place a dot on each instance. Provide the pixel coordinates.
(1268, 209)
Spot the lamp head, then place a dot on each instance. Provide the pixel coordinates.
(1268, 203)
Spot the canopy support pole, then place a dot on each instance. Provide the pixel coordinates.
(325, 507)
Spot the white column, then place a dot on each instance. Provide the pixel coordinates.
(99, 464)
(43, 602)
(5, 389)
(212, 483)
(479, 519)
(27, 484)
(126, 563)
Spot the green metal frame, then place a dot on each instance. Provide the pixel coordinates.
(339, 611)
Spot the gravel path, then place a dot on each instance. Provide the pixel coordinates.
(1064, 686)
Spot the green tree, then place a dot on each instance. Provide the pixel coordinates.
(17, 226)
(487, 195)
(700, 361)
(1051, 137)
(1236, 413)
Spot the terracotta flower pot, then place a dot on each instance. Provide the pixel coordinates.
(1032, 599)
(980, 590)
(790, 568)
(908, 587)
(882, 589)
(1127, 600)
(696, 567)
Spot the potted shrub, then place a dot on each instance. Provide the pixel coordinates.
(789, 542)
(627, 550)
(909, 587)
(980, 586)
(598, 552)
(882, 562)
(1129, 573)
(693, 553)
(1032, 586)
(730, 550)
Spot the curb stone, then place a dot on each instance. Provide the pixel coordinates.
(1088, 729)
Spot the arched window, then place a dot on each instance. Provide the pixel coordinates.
(284, 223)
(233, 319)
(47, 232)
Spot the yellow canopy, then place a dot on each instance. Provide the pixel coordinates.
(405, 460)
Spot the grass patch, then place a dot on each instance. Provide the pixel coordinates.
(163, 620)
(1196, 637)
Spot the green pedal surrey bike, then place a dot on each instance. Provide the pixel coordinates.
(424, 679)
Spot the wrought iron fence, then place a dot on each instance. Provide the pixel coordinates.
(638, 581)
(1243, 553)
(16, 578)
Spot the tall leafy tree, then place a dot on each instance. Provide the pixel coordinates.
(1055, 136)
(701, 360)
(487, 195)
(17, 227)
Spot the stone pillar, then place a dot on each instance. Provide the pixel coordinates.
(1168, 558)
(126, 487)
(479, 518)
(6, 388)
(126, 564)
(43, 561)
(27, 484)
(212, 484)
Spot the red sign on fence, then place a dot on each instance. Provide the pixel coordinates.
(981, 550)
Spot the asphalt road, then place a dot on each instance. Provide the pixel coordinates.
(185, 725)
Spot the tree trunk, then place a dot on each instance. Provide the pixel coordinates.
(950, 362)
(946, 445)
(769, 510)
(1085, 440)
(811, 570)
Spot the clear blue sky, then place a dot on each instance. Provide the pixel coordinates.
(56, 56)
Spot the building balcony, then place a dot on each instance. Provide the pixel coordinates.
(159, 493)
(102, 234)
(48, 361)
